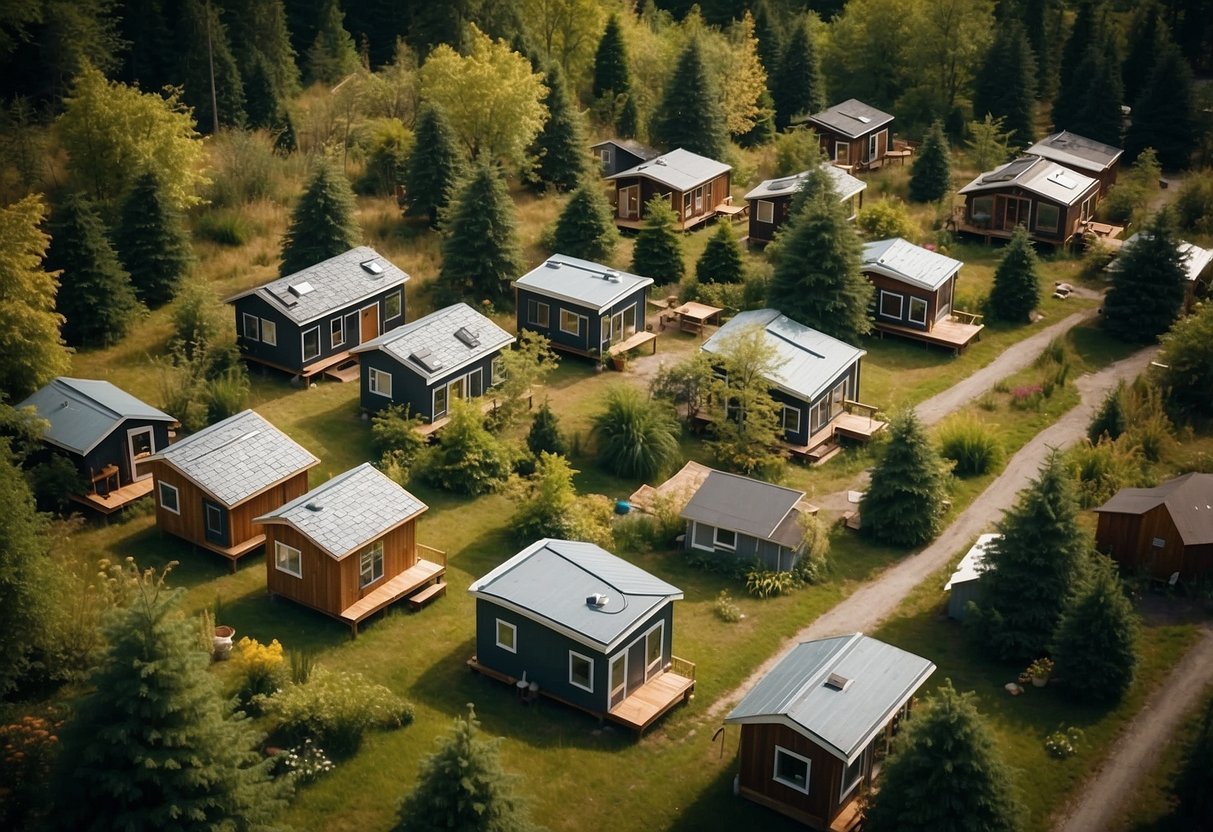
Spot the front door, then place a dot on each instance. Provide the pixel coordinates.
(1017, 212)
(629, 202)
(370, 323)
(215, 519)
(142, 444)
(619, 679)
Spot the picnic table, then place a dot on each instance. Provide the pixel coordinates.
(693, 316)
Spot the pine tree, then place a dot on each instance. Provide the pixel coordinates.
(262, 104)
(545, 434)
(1147, 37)
(586, 227)
(559, 149)
(262, 46)
(1016, 291)
(434, 166)
(904, 503)
(689, 115)
(1148, 285)
(945, 774)
(721, 259)
(481, 253)
(1034, 568)
(152, 242)
(1095, 647)
(1083, 34)
(95, 295)
(797, 85)
(323, 224)
(1005, 86)
(658, 250)
(611, 76)
(1035, 17)
(931, 178)
(770, 39)
(332, 55)
(1098, 115)
(197, 23)
(1110, 420)
(628, 123)
(1164, 116)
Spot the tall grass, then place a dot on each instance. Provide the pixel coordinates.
(971, 443)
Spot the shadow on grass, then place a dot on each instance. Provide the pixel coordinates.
(718, 808)
(257, 615)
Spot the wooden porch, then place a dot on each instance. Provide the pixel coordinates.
(636, 339)
(488, 404)
(955, 332)
(321, 367)
(115, 498)
(656, 696)
(857, 421)
(425, 573)
(734, 213)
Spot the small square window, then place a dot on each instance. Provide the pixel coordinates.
(311, 343)
(570, 322)
(251, 327)
(507, 636)
(918, 311)
(269, 332)
(370, 564)
(766, 211)
(288, 559)
(791, 769)
(393, 306)
(380, 383)
(725, 539)
(581, 671)
(169, 499)
(791, 419)
(890, 304)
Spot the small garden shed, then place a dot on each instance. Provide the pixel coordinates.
(1197, 262)
(771, 200)
(854, 134)
(1051, 201)
(695, 185)
(621, 154)
(1162, 531)
(964, 584)
(1078, 153)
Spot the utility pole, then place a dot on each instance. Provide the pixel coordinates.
(210, 57)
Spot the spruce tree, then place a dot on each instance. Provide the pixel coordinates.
(152, 242)
(1110, 420)
(586, 227)
(721, 259)
(1095, 647)
(945, 774)
(628, 123)
(197, 22)
(904, 503)
(1164, 115)
(323, 224)
(770, 39)
(763, 131)
(1005, 85)
(1146, 38)
(658, 250)
(1016, 291)
(262, 46)
(545, 433)
(931, 178)
(1083, 34)
(434, 166)
(332, 55)
(797, 84)
(1035, 17)
(95, 295)
(1098, 115)
(689, 115)
(611, 75)
(559, 149)
(262, 102)
(481, 253)
(1149, 284)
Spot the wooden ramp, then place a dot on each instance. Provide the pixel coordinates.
(679, 488)
(406, 583)
(656, 696)
(345, 372)
(116, 498)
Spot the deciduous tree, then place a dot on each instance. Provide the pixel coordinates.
(523, 369)
(434, 166)
(658, 251)
(1187, 358)
(586, 226)
(798, 86)
(745, 83)
(690, 115)
(746, 425)
(1016, 291)
(948, 38)
(559, 149)
(931, 178)
(549, 506)
(467, 459)
(153, 244)
(481, 253)
(564, 32)
(904, 504)
(323, 224)
(1148, 285)
(1096, 642)
(721, 259)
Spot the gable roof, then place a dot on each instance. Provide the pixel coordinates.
(679, 169)
(1037, 175)
(851, 118)
(349, 511)
(845, 185)
(82, 412)
(1077, 151)
(631, 146)
(581, 282)
(1189, 501)
(811, 359)
(796, 692)
(551, 580)
(238, 458)
(973, 564)
(441, 342)
(752, 507)
(330, 285)
(904, 261)
(1196, 259)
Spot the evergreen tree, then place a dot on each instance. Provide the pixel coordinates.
(1035, 17)
(95, 295)
(481, 253)
(628, 123)
(797, 85)
(323, 224)
(689, 115)
(770, 39)
(1083, 35)
(1034, 568)
(1148, 285)
(1016, 291)
(586, 227)
(262, 104)
(1192, 783)
(1098, 115)
(904, 503)
(262, 46)
(1164, 116)
(658, 250)
(545, 434)
(196, 23)
(931, 178)
(1005, 86)
(332, 55)
(611, 76)
(153, 243)
(559, 149)
(1187, 359)
(763, 131)
(149, 56)
(155, 745)
(945, 774)
(1111, 419)
(721, 259)
(434, 166)
(1146, 39)
(1095, 647)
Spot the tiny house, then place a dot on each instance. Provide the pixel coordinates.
(1163, 531)
(694, 185)
(854, 135)
(1078, 153)
(1051, 201)
(965, 583)
(771, 200)
(621, 154)
(1197, 263)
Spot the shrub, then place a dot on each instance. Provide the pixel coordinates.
(726, 609)
(1100, 470)
(1194, 205)
(245, 167)
(637, 437)
(54, 480)
(731, 296)
(225, 227)
(1063, 742)
(227, 393)
(258, 670)
(28, 748)
(973, 445)
(886, 218)
(305, 763)
(467, 459)
(394, 435)
(767, 583)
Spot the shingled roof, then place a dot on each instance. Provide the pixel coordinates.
(1189, 501)
(851, 118)
(81, 412)
(751, 507)
(679, 169)
(1073, 150)
(441, 342)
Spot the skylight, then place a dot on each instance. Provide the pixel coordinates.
(372, 267)
(301, 288)
(1060, 178)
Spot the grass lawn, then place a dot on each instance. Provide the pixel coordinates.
(1154, 804)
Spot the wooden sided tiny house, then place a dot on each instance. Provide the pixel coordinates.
(1163, 531)
(854, 135)
(771, 200)
(1052, 202)
(1078, 153)
(695, 186)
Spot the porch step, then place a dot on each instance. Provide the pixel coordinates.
(419, 599)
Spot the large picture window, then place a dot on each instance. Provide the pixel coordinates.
(370, 564)
(791, 769)
(765, 210)
(1047, 216)
(725, 539)
(311, 343)
(890, 304)
(581, 671)
(570, 322)
(288, 559)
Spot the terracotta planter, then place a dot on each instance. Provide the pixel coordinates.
(222, 642)
(1040, 681)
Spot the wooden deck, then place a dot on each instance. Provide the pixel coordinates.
(115, 498)
(421, 574)
(636, 339)
(950, 333)
(652, 699)
(678, 489)
(318, 367)
(344, 373)
(858, 426)
(637, 223)
(487, 405)
(857, 422)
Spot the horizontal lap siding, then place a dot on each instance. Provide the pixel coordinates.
(240, 518)
(552, 331)
(757, 765)
(802, 436)
(114, 449)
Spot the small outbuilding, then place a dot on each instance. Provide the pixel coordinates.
(1197, 262)
(1163, 531)
(616, 155)
(695, 186)
(1078, 153)
(771, 200)
(854, 135)
(1051, 201)
(964, 584)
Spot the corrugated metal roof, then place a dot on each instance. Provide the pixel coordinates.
(1073, 150)
(1195, 258)
(679, 169)
(349, 511)
(82, 411)
(845, 185)
(882, 678)
(581, 281)
(973, 564)
(811, 359)
(550, 580)
(239, 457)
(1189, 501)
(904, 261)
(852, 118)
(329, 285)
(1036, 175)
(631, 146)
(433, 339)
(752, 507)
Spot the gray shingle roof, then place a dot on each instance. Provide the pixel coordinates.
(581, 282)
(349, 511)
(335, 283)
(843, 722)
(550, 580)
(811, 359)
(238, 458)
(82, 411)
(904, 261)
(631, 146)
(433, 340)
(1039, 176)
(1073, 150)
(845, 185)
(1189, 501)
(679, 169)
(851, 118)
(752, 507)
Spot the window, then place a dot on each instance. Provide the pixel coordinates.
(537, 313)
(853, 774)
(791, 419)
(842, 152)
(1088, 207)
(570, 322)
(311, 343)
(918, 311)
(699, 200)
(766, 210)
(1047, 217)
(653, 652)
(873, 145)
(475, 382)
(439, 402)
(791, 769)
(269, 332)
(288, 559)
(581, 671)
(380, 383)
(393, 306)
(337, 331)
(686, 204)
(890, 304)
(251, 323)
(214, 519)
(507, 636)
(725, 539)
(370, 564)
(497, 371)
(169, 500)
(604, 153)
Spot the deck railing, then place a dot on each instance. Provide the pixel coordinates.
(682, 667)
(972, 318)
(868, 410)
(431, 554)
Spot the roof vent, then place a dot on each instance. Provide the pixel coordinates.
(597, 600)
(611, 275)
(372, 267)
(553, 264)
(314, 506)
(859, 118)
(467, 337)
(1060, 178)
(838, 682)
(426, 360)
(302, 288)
(287, 297)
(661, 162)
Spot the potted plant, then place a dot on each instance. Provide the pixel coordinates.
(222, 642)
(1039, 671)
(620, 361)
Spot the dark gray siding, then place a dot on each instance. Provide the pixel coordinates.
(620, 159)
(411, 389)
(113, 450)
(701, 537)
(765, 231)
(589, 339)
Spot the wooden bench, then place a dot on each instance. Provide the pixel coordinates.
(419, 599)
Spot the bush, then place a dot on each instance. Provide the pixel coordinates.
(394, 437)
(467, 459)
(730, 296)
(385, 144)
(726, 609)
(227, 393)
(886, 218)
(258, 671)
(54, 480)
(972, 444)
(1100, 470)
(244, 167)
(225, 227)
(305, 763)
(1063, 742)
(637, 437)
(767, 583)
(1194, 205)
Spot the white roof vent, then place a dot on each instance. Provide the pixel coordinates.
(838, 682)
(372, 267)
(611, 275)
(597, 600)
(301, 288)
(553, 264)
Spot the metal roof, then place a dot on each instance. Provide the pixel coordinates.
(581, 282)
(1195, 258)
(330, 285)
(349, 511)
(551, 580)
(904, 261)
(851, 118)
(811, 359)
(433, 346)
(1073, 150)
(796, 692)
(631, 146)
(238, 458)
(1189, 501)
(1037, 175)
(845, 185)
(748, 506)
(973, 564)
(82, 411)
(679, 169)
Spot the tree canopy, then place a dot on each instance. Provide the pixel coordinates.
(586, 226)
(434, 166)
(1148, 285)
(152, 241)
(1016, 292)
(931, 177)
(481, 253)
(1164, 115)
(1005, 83)
(323, 224)
(690, 114)
(721, 260)
(332, 55)
(1187, 359)
(1095, 646)
(797, 84)
(904, 504)
(747, 423)
(658, 250)
(559, 149)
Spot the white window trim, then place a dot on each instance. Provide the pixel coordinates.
(716, 530)
(252, 322)
(847, 789)
(496, 371)
(900, 303)
(765, 206)
(399, 303)
(369, 552)
(161, 486)
(539, 307)
(269, 332)
(446, 407)
(337, 331)
(513, 631)
(574, 316)
(375, 385)
(651, 666)
(838, 157)
(910, 313)
(282, 553)
(783, 420)
(303, 344)
(791, 784)
(572, 655)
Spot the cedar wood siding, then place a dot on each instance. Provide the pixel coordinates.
(288, 354)
(1068, 216)
(589, 340)
(858, 154)
(1128, 538)
(620, 159)
(411, 389)
(715, 192)
(801, 437)
(890, 285)
(701, 537)
(330, 585)
(114, 449)
(756, 756)
(543, 653)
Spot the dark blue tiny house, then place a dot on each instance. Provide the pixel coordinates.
(450, 354)
(581, 307)
(621, 154)
(577, 624)
(310, 321)
(108, 435)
